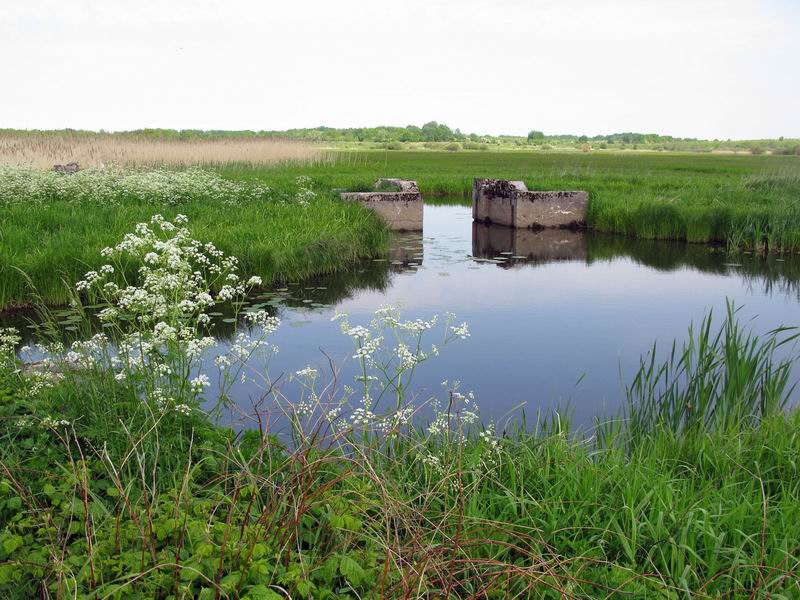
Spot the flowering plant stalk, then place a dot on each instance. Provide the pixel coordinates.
(160, 324)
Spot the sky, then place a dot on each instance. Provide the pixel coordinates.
(690, 68)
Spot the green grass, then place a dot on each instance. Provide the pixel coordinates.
(750, 202)
(127, 502)
(44, 246)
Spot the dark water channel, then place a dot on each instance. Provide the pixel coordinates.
(556, 318)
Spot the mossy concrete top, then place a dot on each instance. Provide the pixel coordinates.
(510, 203)
(401, 208)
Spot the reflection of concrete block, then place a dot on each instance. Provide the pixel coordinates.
(544, 245)
(406, 249)
(400, 208)
(510, 203)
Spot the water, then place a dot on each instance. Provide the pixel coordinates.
(557, 319)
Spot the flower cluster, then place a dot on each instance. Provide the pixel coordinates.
(160, 324)
(389, 349)
(305, 194)
(176, 276)
(115, 186)
(307, 373)
(51, 423)
(9, 338)
(461, 410)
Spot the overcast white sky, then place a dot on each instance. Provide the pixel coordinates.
(699, 68)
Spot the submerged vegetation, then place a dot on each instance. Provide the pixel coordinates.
(116, 483)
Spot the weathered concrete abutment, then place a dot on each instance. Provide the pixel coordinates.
(510, 203)
(401, 208)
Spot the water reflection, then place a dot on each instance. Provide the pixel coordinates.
(508, 246)
(546, 309)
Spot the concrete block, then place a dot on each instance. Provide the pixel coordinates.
(510, 203)
(401, 209)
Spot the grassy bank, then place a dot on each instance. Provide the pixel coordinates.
(52, 226)
(115, 484)
(51, 230)
(749, 202)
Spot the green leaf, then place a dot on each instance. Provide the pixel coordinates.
(328, 569)
(12, 542)
(351, 569)
(229, 582)
(262, 592)
(259, 550)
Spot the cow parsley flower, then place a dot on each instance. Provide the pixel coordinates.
(199, 383)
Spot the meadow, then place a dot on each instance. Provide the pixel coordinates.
(748, 202)
(49, 234)
(115, 481)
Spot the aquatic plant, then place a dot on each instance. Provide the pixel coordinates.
(717, 380)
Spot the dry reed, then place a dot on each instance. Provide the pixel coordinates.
(43, 150)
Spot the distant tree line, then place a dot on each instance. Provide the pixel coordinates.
(433, 133)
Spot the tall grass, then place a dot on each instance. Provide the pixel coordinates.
(43, 150)
(719, 379)
(53, 226)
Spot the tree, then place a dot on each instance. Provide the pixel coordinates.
(434, 132)
(535, 136)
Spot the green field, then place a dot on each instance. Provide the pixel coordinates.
(117, 480)
(750, 201)
(747, 202)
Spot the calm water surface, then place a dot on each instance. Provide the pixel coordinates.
(561, 323)
(556, 318)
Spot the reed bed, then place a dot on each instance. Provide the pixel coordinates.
(43, 150)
